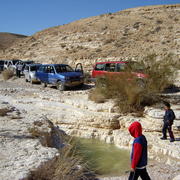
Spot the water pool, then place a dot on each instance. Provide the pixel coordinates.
(104, 159)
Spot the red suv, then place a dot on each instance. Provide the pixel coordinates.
(117, 67)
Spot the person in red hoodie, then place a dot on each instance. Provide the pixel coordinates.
(139, 153)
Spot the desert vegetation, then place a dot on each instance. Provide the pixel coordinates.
(132, 94)
(7, 74)
(68, 165)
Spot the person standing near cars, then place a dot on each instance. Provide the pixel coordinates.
(19, 69)
(168, 122)
(139, 154)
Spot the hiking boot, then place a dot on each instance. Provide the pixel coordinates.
(163, 138)
(172, 140)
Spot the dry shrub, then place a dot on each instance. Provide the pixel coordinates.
(4, 111)
(7, 74)
(45, 137)
(132, 94)
(66, 166)
(161, 72)
(97, 95)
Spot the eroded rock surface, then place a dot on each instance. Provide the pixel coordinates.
(76, 115)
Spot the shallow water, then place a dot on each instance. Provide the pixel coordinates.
(103, 158)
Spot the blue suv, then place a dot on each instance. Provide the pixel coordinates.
(60, 75)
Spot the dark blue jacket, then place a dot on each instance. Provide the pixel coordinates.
(143, 160)
(169, 116)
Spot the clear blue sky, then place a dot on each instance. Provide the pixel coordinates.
(29, 16)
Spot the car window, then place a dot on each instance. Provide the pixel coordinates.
(14, 62)
(121, 67)
(42, 69)
(110, 67)
(47, 69)
(100, 67)
(63, 68)
(34, 68)
(26, 68)
(52, 69)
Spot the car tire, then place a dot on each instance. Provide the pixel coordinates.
(44, 84)
(31, 81)
(60, 86)
(26, 80)
(81, 85)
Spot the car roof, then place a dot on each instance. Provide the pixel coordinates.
(112, 62)
(54, 64)
(33, 64)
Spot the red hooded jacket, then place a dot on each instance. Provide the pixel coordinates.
(139, 149)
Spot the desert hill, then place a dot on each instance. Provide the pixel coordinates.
(7, 39)
(131, 33)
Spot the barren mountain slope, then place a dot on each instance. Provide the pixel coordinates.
(125, 34)
(7, 39)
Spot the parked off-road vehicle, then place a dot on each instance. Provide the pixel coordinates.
(30, 73)
(60, 75)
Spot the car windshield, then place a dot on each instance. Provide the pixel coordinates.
(15, 61)
(63, 68)
(28, 62)
(34, 68)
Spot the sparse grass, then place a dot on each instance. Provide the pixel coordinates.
(44, 136)
(7, 74)
(132, 94)
(66, 166)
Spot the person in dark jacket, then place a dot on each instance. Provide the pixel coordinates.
(139, 156)
(168, 122)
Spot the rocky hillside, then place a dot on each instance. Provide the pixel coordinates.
(131, 33)
(7, 39)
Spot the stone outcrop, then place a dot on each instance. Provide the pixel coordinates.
(20, 151)
(72, 112)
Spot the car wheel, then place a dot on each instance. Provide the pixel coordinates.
(26, 80)
(44, 84)
(81, 85)
(31, 81)
(60, 86)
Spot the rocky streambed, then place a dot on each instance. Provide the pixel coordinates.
(72, 112)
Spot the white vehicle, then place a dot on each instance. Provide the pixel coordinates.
(30, 72)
